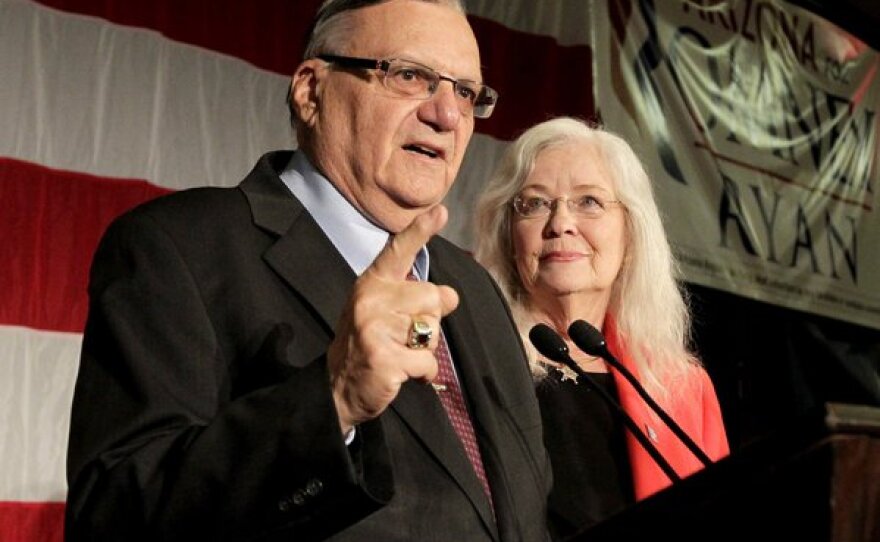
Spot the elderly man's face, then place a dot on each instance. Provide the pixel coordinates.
(393, 156)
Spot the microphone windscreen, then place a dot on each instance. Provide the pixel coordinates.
(548, 343)
(588, 338)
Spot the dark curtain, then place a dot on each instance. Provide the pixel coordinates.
(771, 365)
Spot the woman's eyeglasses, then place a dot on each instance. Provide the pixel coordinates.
(585, 206)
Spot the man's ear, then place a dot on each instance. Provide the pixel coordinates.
(304, 91)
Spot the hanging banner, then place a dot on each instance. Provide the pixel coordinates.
(757, 122)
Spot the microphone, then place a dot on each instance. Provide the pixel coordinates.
(550, 344)
(590, 340)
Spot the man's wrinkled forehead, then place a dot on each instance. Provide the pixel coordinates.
(332, 9)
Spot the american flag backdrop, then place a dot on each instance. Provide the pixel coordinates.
(107, 103)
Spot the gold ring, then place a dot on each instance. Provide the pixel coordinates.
(419, 334)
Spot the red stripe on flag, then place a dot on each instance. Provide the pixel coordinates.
(536, 77)
(51, 223)
(31, 521)
(269, 33)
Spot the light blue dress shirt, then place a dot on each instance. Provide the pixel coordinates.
(357, 239)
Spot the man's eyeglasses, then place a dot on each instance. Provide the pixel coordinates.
(585, 206)
(415, 80)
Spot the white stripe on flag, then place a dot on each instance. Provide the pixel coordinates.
(82, 94)
(36, 387)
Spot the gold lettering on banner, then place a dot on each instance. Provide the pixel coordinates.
(785, 235)
(765, 113)
(745, 98)
(760, 22)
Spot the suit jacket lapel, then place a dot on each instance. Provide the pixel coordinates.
(420, 409)
(479, 378)
(307, 260)
(302, 255)
(471, 363)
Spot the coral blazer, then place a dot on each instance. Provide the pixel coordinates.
(693, 405)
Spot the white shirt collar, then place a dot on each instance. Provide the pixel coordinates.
(357, 239)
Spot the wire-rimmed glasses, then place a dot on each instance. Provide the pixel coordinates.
(415, 80)
(588, 206)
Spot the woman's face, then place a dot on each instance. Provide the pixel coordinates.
(575, 248)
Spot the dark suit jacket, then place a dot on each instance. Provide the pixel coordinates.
(202, 408)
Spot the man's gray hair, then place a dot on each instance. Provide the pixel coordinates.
(331, 26)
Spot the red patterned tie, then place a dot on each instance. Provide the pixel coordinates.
(452, 400)
(450, 396)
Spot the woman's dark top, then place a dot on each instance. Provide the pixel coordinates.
(591, 473)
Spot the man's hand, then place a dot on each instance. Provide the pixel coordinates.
(369, 359)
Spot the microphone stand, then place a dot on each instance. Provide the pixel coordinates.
(550, 344)
(590, 340)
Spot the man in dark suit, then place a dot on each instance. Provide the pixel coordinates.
(258, 362)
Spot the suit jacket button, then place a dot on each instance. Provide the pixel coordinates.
(314, 487)
(299, 498)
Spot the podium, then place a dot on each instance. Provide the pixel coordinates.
(817, 480)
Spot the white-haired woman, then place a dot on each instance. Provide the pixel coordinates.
(569, 227)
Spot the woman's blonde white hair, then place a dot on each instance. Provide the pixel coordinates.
(646, 301)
